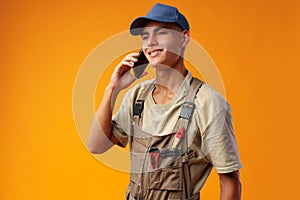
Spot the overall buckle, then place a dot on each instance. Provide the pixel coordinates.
(187, 110)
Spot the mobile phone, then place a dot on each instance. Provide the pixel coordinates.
(140, 66)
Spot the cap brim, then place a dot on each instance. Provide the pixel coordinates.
(137, 25)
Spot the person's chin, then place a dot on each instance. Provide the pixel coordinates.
(154, 64)
(159, 66)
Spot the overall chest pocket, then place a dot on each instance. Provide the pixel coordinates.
(168, 178)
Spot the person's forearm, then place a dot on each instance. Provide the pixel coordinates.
(231, 192)
(231, 188)
(100, 138)
(100, 134)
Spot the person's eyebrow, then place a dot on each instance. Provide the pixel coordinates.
(156, 29)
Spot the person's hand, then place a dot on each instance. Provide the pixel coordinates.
(121, 77)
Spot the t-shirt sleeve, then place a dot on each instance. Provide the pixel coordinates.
(220, 143)
(218, 140)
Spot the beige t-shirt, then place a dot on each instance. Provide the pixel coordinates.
(211, 126)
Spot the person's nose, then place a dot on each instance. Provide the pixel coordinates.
(152, 41)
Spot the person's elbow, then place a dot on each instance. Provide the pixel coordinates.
(98, 142)
(100, 147)
(95, 150)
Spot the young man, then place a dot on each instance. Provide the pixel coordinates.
(177, 127)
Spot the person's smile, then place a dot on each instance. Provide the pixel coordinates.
(154, 52)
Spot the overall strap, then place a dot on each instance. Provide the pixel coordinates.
(187, 110)
(138, 105)
(184, 120)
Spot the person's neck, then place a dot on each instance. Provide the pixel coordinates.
(168, 82)
(171, 77)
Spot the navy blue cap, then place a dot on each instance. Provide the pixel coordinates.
(160, 13)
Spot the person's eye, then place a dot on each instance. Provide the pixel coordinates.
(145, 37)
(162, 32)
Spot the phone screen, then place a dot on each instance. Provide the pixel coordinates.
(140, 66)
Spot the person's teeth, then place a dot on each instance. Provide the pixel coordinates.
(153, 53)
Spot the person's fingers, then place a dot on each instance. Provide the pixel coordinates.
(133, 55)
(127, 63)
(130, 59)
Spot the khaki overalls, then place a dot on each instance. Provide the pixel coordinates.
(160, 164)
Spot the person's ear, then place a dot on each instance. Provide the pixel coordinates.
(186, 37)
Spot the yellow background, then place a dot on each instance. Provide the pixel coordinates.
(255, 44)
